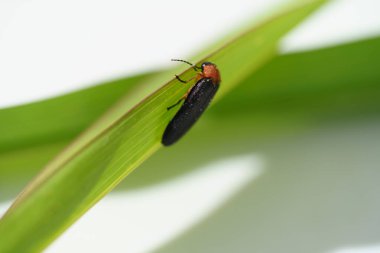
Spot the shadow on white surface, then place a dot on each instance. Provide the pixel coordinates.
(319, 193)
(363, 249)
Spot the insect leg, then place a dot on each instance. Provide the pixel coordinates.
(183, 81)
(179, 79)
(182, 98)
(170, 107)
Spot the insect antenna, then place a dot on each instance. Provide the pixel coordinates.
(192, 65)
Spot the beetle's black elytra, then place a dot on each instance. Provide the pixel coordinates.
(196, 101)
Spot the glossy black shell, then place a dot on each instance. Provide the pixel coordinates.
(196, 102)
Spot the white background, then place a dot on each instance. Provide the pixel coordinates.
(50, 47)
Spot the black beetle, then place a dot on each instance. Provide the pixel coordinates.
(196, 101)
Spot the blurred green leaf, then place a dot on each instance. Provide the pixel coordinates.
(313, 120)
(59, 118)
(287, 94)
(34, 133)
(95, 163)
(292, 94)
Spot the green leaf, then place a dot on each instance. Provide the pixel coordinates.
(292, 90)
(59, 118)
(314, 119)
(96, 163)
(33, 134)
(292, 94)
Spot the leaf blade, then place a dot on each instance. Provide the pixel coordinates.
(88, 170)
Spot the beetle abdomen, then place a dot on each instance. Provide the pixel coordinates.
(196, 102)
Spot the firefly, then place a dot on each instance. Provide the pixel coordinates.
(196, 100)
